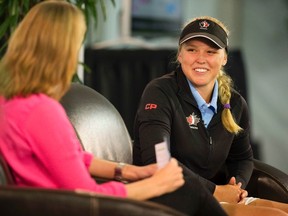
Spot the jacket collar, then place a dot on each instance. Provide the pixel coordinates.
(183, 86)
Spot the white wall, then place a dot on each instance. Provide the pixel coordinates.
(260, 29)
(265, 45)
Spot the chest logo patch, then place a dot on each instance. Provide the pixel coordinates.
(193, 120)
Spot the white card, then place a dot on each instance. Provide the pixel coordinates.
(162, 154)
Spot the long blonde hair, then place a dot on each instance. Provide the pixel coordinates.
(225, 85)
(42, 53)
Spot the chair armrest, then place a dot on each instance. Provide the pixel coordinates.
(46, 202)
(268, 182)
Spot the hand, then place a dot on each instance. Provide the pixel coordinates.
(169, 178)
(244, 193)
(133, 173)
(164, 180)
(230, 193)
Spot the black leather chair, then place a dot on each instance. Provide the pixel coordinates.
(98, 124)
(268, 182)
(15, 201)
(102, 130)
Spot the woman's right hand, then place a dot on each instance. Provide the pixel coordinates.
(164, 180)
(168, 178)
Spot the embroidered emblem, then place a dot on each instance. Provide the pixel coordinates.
(204, 25)
(193, 120)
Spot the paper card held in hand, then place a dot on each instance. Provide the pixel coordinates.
(162, 154)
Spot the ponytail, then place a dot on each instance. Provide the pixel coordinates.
(224, 90)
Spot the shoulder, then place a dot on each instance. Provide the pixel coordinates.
(33, 112)
(42, 103)
(38, 107)
(237, 99)
(167, 82)
(239, 107)
(27, 105)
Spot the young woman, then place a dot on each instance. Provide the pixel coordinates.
(204, 120)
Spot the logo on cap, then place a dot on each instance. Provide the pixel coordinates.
(204, 25)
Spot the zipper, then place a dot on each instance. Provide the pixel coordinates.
(210, 140)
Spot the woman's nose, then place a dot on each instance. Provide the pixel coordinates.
(201, 58)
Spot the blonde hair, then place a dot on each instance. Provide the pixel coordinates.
(42, 53)
(225, 85)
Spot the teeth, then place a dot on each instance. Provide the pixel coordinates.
(200, 69)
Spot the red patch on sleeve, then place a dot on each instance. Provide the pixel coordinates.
(150, 106)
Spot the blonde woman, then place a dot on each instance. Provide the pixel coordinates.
(204, 120)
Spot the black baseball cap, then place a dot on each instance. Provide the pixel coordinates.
(206, 29)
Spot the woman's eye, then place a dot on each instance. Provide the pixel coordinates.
(212, 51)
(190, 50)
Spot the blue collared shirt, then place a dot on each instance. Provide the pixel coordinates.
(207, 110)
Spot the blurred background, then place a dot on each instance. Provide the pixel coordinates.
(138, 41)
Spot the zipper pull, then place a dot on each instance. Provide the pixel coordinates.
(210, 140)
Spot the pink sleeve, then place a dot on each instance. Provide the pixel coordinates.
(87, 158)
(57, 148)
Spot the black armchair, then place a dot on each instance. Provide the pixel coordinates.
(16, 201)
(267, 182)
(98, 124)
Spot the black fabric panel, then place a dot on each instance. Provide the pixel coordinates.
(121, 75)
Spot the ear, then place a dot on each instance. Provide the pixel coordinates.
(225, 60)
(179, 57)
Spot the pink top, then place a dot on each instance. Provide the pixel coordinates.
(41, 147)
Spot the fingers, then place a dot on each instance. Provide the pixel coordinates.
(232, 181)
(174, 161)
(244, 194)
(177, 171)
(171, 175)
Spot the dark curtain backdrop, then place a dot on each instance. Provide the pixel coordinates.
(121, 75)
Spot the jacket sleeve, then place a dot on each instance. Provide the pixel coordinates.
(189, 175)
(240, 159)
(153, 123)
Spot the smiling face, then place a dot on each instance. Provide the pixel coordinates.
(201, 62)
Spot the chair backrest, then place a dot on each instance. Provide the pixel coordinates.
(268, 182)
(98, 124)
(5, 173)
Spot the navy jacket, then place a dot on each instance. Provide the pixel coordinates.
(168, 110)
